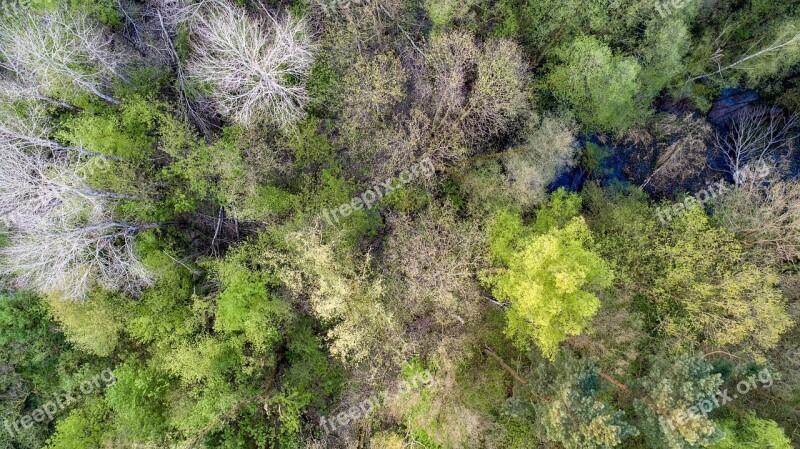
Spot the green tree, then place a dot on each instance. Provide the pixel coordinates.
(601, 88)
(669, 410)
(550, 278)
(83, 428)
(751, 432)
(700, 290)
(568, 406)
(138, 400)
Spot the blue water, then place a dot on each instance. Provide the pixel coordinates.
(619, 161)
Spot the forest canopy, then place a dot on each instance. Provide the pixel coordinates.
(391, 224)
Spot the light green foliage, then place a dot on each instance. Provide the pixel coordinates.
(328, 193)
(670, 389)
(561, 207)
(205, 359)
(548, 284)
(215, 172)
(130, 135)
(444, 13)
(93, 326)
(550, 277)
(127, 133)
(505, 229)
(665, 45)
(709, 293)
(267, 203)
(138, 401)
(344, 297)
(545, 25)
(311, 147)
(751, 432)
(83, 428)
(162, 311)
(601, 88)
(701, 291)
(244, 304)
(623, 223)
(103, 10)
(408, 199)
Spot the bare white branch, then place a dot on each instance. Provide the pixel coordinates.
(70, 262)
(752, 137)
(253, 67)
(31, 128)
(37, 191)
(61, 51)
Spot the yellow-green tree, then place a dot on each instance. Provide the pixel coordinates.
(549, 284)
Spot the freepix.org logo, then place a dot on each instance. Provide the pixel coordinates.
(368, 199)
(329, 7)
(60, 402)
(763, 379)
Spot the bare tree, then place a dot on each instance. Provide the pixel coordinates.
(27, 129)
(434, 259)
(767, 218)
(61, 239)
(754, 136)
(60, 51)
(30, 128)
(35, 192)
(498, 95)
(35, 188)
(252, 65)
(71, 261)
(466, 95)
(14, 90)
(546, 150)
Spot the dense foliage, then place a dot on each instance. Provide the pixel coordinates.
(241, 224)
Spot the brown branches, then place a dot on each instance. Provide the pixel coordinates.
(505, 366)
